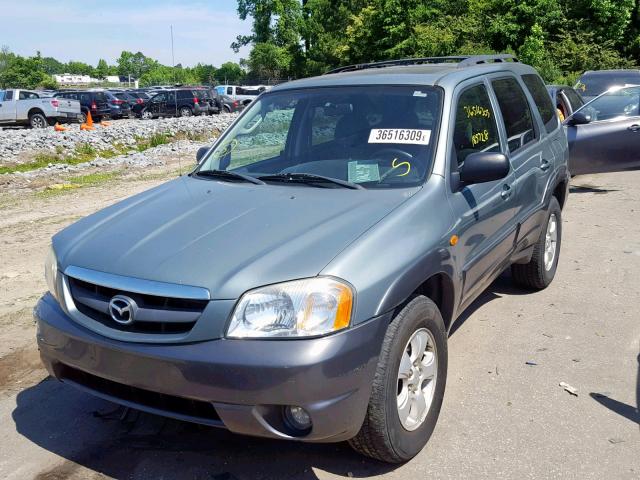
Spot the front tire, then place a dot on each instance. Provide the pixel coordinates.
(541, 269)
(37, 120)
(408, 387)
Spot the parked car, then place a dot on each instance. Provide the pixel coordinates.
(137, 100)
(182, 102)
(604, 135)
(119, 107)
(593, 83)
(229, 105)
(95, 102)
(566, 99)
(244, 95)
(301, 281)
(26, 107)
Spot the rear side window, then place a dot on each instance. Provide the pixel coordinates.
(574, 99)
(542, 100)
(229, 90)
(476, 129)
(516, 113)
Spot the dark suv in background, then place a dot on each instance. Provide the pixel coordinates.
(182, 102)
(96, 102)
(593, 83)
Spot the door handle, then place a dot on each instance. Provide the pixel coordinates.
(634, 128)
(545, 165)
(506, 191)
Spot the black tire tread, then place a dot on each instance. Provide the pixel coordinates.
(531, 275)
(373, 440)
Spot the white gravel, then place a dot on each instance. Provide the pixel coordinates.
(16, 145)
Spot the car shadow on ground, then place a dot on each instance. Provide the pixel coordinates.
(590, 189)
(627, 411)
(503, 285)
(90, 433)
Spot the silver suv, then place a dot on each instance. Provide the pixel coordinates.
(301, 282)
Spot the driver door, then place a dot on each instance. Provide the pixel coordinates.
(610, 141)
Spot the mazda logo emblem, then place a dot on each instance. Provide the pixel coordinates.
(122, 309)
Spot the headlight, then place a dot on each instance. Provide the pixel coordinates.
(301, 308)
(51, 271)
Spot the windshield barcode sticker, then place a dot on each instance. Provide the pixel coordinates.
(400, 135)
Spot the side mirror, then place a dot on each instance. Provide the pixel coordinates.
(579, 118)
(481, 167)
(201, 153)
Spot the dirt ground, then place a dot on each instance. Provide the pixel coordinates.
(502, 417)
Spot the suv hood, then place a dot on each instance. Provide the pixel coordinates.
(227, 237)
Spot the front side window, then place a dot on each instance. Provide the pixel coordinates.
(378, 137)
(516, 113)
(542, 100)
(615, 104)
(475, 128)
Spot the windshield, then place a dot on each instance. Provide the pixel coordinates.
(618, 103)
(594, 85)
(378, 137)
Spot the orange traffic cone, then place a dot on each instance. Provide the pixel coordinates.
(89, 120)
(59, 128)
(104, 124)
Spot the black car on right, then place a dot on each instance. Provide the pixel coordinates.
(604, 134)
(179, 102)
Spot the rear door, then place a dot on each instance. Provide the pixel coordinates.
(610, 141)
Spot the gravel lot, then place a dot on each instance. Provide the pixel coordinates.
(501, 418)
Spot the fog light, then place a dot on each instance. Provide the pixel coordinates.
(297, 417)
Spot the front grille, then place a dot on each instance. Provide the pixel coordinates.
(161, 315)
(197, 410)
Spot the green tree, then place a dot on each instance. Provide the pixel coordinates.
(135, 64)
(79, 68)
(268, 61)
(102, 69)
(230, 72)
(22, 72)
(205, 74)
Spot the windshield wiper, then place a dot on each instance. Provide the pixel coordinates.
(309, 179)
(228, 175)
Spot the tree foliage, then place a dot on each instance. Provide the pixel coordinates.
(561, 38)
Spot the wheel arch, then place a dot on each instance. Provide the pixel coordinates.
(34, 111)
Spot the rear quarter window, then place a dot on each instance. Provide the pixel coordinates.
(542, 100)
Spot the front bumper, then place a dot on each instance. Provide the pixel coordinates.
(245, 383)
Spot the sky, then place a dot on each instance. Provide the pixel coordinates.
(89, 30)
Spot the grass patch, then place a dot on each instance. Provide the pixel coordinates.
(74, 183)
(93, 178)
(81, 154)
(154, 140)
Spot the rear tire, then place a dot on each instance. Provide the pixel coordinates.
(541, 269)
(386, 433)
(83, 117)
(185, 112)
(37, 120)
(146, 115)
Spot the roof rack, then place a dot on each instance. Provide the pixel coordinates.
(459, 61)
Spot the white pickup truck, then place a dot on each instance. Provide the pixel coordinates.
(25, 107)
